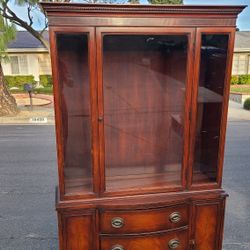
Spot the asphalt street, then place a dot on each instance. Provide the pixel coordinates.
(28, 175)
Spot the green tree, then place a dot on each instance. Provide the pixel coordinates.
(33, 9)
(7, 101)
(134, 1)
(165, 1)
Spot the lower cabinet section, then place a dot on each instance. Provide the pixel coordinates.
(77, 230)
(208, 225)
(190, 225)
(164, 241)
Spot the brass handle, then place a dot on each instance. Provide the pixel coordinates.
(175, 217)
(117, 222)
(117, 247)
(174, 243)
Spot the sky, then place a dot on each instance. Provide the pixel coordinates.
(243, 22)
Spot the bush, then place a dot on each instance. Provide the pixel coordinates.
(247, 104)
(244, 79)
(18, 81)
(45, 80)
(234, 80)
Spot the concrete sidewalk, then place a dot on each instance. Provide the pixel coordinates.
(237, 113)
(39, 115)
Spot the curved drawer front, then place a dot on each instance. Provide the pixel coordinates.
(139, 221)
(166, 241)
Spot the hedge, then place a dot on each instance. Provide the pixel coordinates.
(45, 80)
(234, 80)
(240, 79)
(18, 81)
(247, 104)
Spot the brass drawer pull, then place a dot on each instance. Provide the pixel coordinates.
(117, 247)
(117, 222)
(175, 217)
(174, 243)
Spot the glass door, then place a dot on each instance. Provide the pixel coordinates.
(144, 86)
(72, 62)
(210, 101)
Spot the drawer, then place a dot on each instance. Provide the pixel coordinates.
(139, 221)
(164, 241)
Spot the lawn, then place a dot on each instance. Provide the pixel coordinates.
(245, 89)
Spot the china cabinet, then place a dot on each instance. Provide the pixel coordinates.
(141, 95)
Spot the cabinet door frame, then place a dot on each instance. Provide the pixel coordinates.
(100, 31)
(219, 31)
(219, 204)
(53, 31)
(64, 217)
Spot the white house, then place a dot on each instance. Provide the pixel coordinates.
(27, 56)
(241, 59)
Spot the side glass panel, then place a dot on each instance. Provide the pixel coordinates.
(213, 63)
(75, 105)
(144, 83)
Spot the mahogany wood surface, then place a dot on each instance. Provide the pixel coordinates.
(207, 219)
(150, 220)
(140, 123)
(79, 231)
(158, 241)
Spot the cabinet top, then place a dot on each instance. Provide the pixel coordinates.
(232, 10)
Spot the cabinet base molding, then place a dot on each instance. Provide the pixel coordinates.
(186, 221)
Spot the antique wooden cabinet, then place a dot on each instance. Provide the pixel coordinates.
(141, 96)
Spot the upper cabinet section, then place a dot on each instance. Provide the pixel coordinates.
(68, 14)
(141, 95)
(144, 99)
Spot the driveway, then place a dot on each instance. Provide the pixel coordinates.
(28, 175)
(236, 180)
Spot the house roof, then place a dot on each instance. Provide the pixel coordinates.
(24, 40)
(242, 40)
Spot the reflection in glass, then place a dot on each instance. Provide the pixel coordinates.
(144, 94)
(209, 109)
(75, 105)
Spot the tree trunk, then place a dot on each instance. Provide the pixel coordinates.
(8, 104)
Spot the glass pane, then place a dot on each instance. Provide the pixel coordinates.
(23, 62)
(75, 104)
(144, 94)
(210, 98)
(14, 65)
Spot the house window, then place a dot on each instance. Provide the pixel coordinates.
(44, 64)
(14, 65)
(19, 65)
(242, 65)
